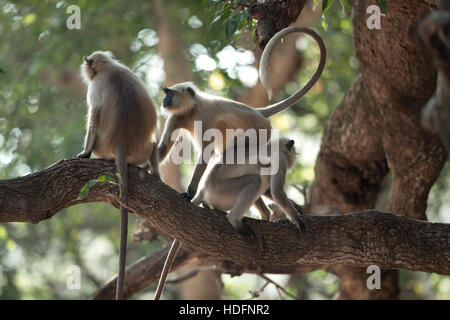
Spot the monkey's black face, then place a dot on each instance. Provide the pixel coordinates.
(179, 99)
(89, 62)
(167, 102)
(290, 144)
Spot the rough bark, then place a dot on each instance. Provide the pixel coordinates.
(376, 128)
(274, 15)
(369, 237)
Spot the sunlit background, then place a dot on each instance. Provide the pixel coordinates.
(42, 111)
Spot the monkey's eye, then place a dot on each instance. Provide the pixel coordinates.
(89, 61)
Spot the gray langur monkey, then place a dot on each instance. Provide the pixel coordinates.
(121, 125)
(186, 104)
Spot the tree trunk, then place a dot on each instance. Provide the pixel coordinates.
(376, 128)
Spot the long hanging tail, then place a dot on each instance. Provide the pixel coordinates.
(121, 164)
(167, 266)
(264, 70)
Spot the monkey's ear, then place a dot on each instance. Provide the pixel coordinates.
(290, 144)
(190, 91)
(165, 89)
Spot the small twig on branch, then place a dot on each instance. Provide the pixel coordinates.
(277, 286)
(256, 294)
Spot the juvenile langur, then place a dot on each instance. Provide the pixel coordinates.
(121, 125)
(236, 187)
(186, 104)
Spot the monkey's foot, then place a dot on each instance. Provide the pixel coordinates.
(206, 205)
(246, 231)
(84, 154)
(189, 194)
(156, 175)
(299, 223)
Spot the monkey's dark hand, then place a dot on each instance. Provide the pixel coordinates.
(189, 194)
(84, 154)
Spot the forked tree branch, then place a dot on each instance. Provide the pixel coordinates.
(365, 238)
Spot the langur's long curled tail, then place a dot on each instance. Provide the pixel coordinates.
(264, 70)
(121, 164)
(167, 266)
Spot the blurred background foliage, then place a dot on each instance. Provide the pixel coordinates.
(42, 111)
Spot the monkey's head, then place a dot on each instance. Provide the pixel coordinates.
(287, 148)
(96, 62)
(180, 98)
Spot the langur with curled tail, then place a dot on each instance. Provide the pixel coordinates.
(121, 126)
(186, 104)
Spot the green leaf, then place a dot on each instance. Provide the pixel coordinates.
(383, 6)
(315, 2)
(107, 179)
(85, 190)
(1, 70)
(244, 19)
(324, 22)
(232, 24)
(326, 4)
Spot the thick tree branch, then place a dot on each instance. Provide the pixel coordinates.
(370, 237)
